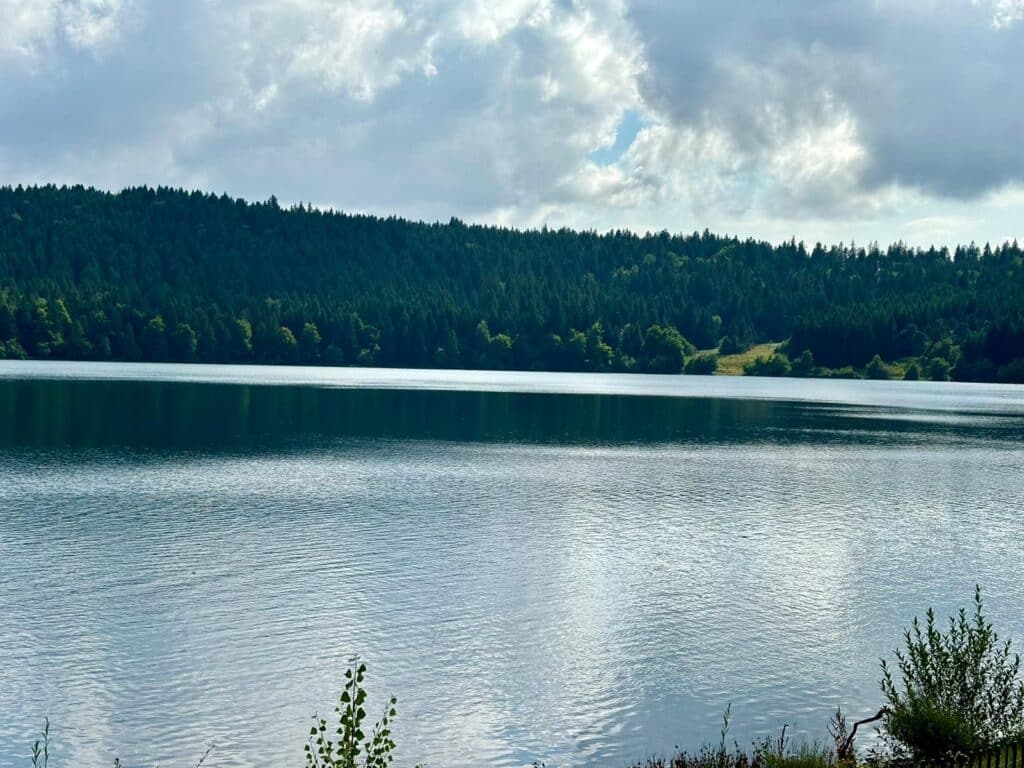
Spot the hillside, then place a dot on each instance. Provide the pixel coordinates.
(163, 274)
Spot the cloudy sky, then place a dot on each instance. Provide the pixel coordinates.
(820, 119)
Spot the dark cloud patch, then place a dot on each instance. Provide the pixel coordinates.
(934, 88)
(785, 110)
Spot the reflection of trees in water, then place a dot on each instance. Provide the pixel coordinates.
(158, 414)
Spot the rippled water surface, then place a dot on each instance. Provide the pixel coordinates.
(570, 568)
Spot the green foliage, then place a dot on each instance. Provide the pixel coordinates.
(309, 344)
(240, 339)
(1011, 373)
(877, 369)
(938, 369)
(704, 364)
(154, 339)
(912, 373)
(730, 346)
(631, 341)
(12, 350)
(946, 349)
(803, 365)
(928, 731)
(776, 365)
(348, 746)
(287, 346)
(90, 275)
(846, 372)
(599, 354)
(803, 755)
(766, 753)
(41, 748)
(958, 690)
(911, 341)
(664, 350)
(184, 343)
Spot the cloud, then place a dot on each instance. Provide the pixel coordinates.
(428, 108)
(1006, 13)
(765, 118)
(928, 90)
(33, 29)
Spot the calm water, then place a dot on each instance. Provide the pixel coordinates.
(580, 569)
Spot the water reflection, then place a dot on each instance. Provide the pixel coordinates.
(576, 579)
(181, 415)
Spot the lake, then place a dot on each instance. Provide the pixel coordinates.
(576, 568)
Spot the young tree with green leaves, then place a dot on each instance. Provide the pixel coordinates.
(953, 691)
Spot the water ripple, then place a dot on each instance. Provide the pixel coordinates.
(579, 603)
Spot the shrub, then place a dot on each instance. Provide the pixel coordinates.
(803, 365)
(938, 369)
(958, 691)
(664, 350)
(928, 731)
(702, 364)
(876, 369)
(731, 346)
(805, 755)
(913, 373)
(1011, 373)
(846, 372)
(377, 751)
(776, 365)
(767, 753)
(945, 349)
(12, 350)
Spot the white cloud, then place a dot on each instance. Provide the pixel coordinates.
(831, 117)
(1005, 13)
(25, 26)
(30, 29)
(89, 24)
(361, 46)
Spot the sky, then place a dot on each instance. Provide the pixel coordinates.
(823, 120)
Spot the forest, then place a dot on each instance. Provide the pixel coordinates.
(170, 275)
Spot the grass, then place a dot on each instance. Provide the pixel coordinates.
(766, 753)
(732, 365)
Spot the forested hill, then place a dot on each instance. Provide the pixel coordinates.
(162, 274)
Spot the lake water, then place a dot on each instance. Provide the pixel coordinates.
(581, 569)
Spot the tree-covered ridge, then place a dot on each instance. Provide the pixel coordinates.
(163, 274)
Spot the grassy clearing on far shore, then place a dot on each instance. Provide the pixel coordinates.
(732, 365)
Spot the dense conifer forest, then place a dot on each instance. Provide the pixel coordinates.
(168, 275)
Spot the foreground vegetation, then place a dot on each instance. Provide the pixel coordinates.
(167, 275)
(955, 698)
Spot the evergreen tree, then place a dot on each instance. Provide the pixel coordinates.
(89, 275)
(309, 344)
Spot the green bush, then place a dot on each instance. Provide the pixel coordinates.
(351, 741)
(803, 365)
(876, 369)
(804, 755)
(928, 731)
(705, 364)
(766, 753)
(12, 350)
(938, 369)
(776, 365)
(958, 691)
(846, 372)
(1011, 373)
(730, 346)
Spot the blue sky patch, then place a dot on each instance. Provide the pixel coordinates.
(630, 125)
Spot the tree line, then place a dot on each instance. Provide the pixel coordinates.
(169, 275)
